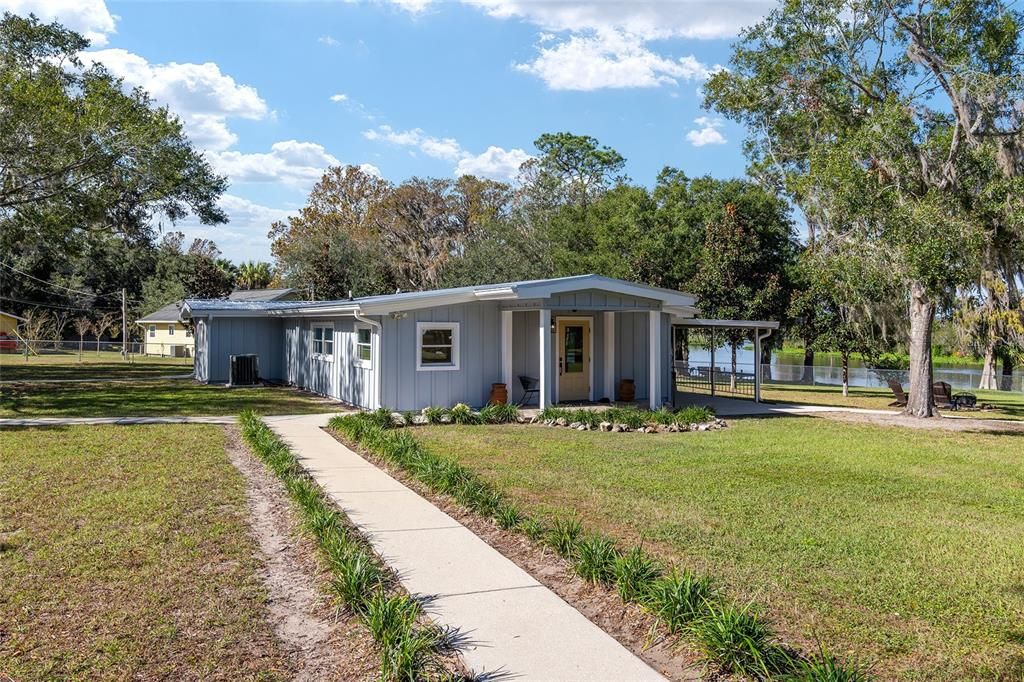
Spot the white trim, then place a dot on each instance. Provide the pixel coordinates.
(695, 322)
(544, 395)
(375, 350)
(609, 355)
(356, 360)
(324, 357)
(506, 349)
(454, 327)
(590, 352)
(654, 361)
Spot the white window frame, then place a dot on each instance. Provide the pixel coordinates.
(326, 357)
(188, 332)
(356, 360)
(152, 331)
(423, 326)
(170, 330)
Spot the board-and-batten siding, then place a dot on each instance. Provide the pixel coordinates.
(403, 387)
(339, 378)
(227, 336)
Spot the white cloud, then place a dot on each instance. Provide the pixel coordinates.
(413, 6)
(610, 59)
(329, 41)
(244, 237)
(91, 18)
(202, 95)
(495, 163)
(340, 97)
(299, 164)
(709, 132)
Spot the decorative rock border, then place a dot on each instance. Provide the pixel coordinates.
(611, 427)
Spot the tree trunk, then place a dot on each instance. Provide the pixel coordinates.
(920, 399)
(81, 346)
(988, 370)
(1006, 380)
(846, 375)
(808, 377)
(684, 349)
(732, 375)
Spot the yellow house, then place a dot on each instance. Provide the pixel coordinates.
(9, 323)
(165, 334)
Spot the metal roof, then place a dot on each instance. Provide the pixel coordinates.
(259, 294)
(7, 314)
(525, 289)
(169, 313)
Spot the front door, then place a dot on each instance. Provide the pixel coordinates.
(573, 359)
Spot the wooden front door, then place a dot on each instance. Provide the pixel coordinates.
(573, 359)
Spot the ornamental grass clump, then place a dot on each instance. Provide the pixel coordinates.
(504, 413)
(633, 573)
(737, 641)
(563, 535)
(463, 414)
(678, 599)
(630, 416)
(552, 413)
(435, 415)
(694, 414)
(594, 559)
(589, 418)
(825, 667)
(508, 516)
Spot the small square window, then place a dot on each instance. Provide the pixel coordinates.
(437, 346)
(323, 341)
(170, 330)
(364, 347)
(152, 331)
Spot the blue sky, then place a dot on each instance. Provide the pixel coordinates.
(274, 92)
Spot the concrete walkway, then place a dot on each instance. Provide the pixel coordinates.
(513, 627)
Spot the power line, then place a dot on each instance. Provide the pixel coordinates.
(56, 286)
(59, 307)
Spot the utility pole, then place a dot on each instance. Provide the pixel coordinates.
(124, 323)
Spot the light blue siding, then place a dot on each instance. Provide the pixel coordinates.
(227, 336)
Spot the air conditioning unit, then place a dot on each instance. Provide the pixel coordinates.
(245, 370)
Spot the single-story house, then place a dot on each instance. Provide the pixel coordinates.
(167, 334)
(578, 337)
(9, 323)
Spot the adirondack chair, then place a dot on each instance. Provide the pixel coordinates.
(943, 394)
(897, 390)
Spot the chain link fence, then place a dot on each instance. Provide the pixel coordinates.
(137, 350)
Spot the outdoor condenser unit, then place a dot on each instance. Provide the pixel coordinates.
(245, 370)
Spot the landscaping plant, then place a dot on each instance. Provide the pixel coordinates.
(594, 559)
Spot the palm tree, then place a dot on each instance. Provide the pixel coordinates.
(254, 275)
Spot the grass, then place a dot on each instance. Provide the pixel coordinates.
(149, 398)
(125, 553)
(93, 365)
(901, 546)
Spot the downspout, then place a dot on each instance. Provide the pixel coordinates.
(378, 371)
(759, 337)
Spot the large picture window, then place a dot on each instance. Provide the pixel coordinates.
(364, 347)
(437, 345)
(323, 341)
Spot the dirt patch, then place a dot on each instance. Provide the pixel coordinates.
(322, 643)
(633, 627)
(949, 423)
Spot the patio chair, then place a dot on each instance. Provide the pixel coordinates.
(531, 386)
(897, 390)
(943, 394)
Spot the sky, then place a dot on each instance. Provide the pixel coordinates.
(275, 92)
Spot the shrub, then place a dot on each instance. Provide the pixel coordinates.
(633, 573)
(533, 529)
(630, 416)
(500, 414)
(554, 413)
(411, 657)
(434, 415)
(589, 417)
(594, 559)
(381, 417)
(824, 667)
(678, 599)
(663, 416)
(563, 535)
(694, 414)
(737, 641)
(479, 497)
(390, 617)
(463, 414)
(357, 577)
(508, 516)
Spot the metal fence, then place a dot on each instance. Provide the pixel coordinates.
(92, 348)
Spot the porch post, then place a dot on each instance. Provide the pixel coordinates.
(544, 329)
(757, 365)
(506, 350)
(609, 356)
(654, 362)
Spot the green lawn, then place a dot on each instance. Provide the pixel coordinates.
(151, 397)
(125, 553)
(903, 546)
(92, 365)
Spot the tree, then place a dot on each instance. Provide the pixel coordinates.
(737, 279)
(103, 325)
(82, 325)
(576, 169)
(253, 275)
(912, 102)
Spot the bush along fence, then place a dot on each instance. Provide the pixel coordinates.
(411, 648)
(733, 639)
(617, 419)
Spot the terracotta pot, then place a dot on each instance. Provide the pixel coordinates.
(627, 391)
(499, 394)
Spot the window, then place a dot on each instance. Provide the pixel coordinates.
(188, 332)
(170, 330)
(364, 347)
(437, 345)
(152, 331)
(323, 341)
